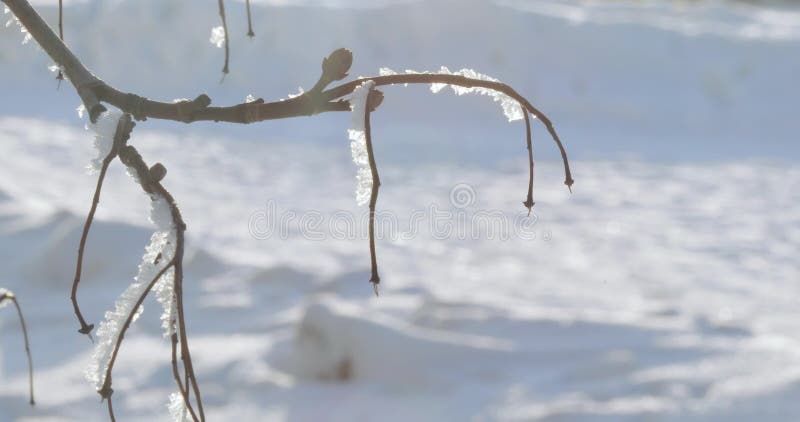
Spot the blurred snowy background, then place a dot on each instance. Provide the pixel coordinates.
(664, 289)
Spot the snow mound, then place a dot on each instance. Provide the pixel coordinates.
(340, 341)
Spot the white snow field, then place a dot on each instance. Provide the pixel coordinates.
(665, 288)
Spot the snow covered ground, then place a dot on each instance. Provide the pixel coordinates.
(665, 288)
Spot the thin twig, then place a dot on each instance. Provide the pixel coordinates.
(375, 279)
(184, 340)
(529, 200)
(438, 78)
(110, 409)
(176, 374)
(87, 328)
(105, 390)
(225, 29)
(13, 298)
(250, 32)
(60, 76)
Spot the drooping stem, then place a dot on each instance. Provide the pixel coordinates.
(221, 4)
(250, 32)
(191, 378)
(375, 279)
(176, 374)
(87, 328)
(13, 298)
(438, 78)
(60, 75)
(110, 409)
(529, 200)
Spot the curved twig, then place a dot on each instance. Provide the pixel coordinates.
(250, 32)
(375, 279)
(438, 78)
(529, 200)
(13, 298)
(221, 4)
(118, 140)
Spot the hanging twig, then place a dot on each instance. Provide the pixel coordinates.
(375, 279)
(250, 32)
(7, 295)
(110, 409)
(529, 200)
(60, 76)
(118, 140)
(221, 4)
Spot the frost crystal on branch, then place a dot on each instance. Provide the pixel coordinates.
(104, 131)
(358, 142)
(14, 19)
(177, 408)
(217, 36)
(162, 244)
(5, 293)
(158, 254)
(511, 107)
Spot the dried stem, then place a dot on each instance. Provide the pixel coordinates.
(118, 140)
(13, 298)
(375, 279)
(93, 90)
(110, 409)
(225, 29)
(176, 374)
(529, 200)
(430, 78)
(152, 186)
(60, 75)
(250, 32)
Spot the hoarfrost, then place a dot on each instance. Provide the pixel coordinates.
(358, 142)
(157, 253)
(511, 107)
(5, 293)
(104, 131)
(177, 408)
(217, 36)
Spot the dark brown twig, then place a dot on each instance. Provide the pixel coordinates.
(60, 76)
(93, 90)
(110, 409)
(375, 279)
(529, 200)
(250, 32)
(118, 139)
(10, 296)
(431, 78)
(221, 4)
(149, 178)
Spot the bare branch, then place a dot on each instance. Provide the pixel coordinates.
(250, 32)
(373, 98)
(13, 298)
(93, 90)
(437, 78)
(529, 200)
(60, 76)
(119, 139)
(80, 77)
(227, 38)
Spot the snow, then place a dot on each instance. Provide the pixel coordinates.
(358, 141)
(161, 244)
(511, 108)
(5, 293)
(217, 36)
(699, 323)
(104, 130)
(665, 288)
